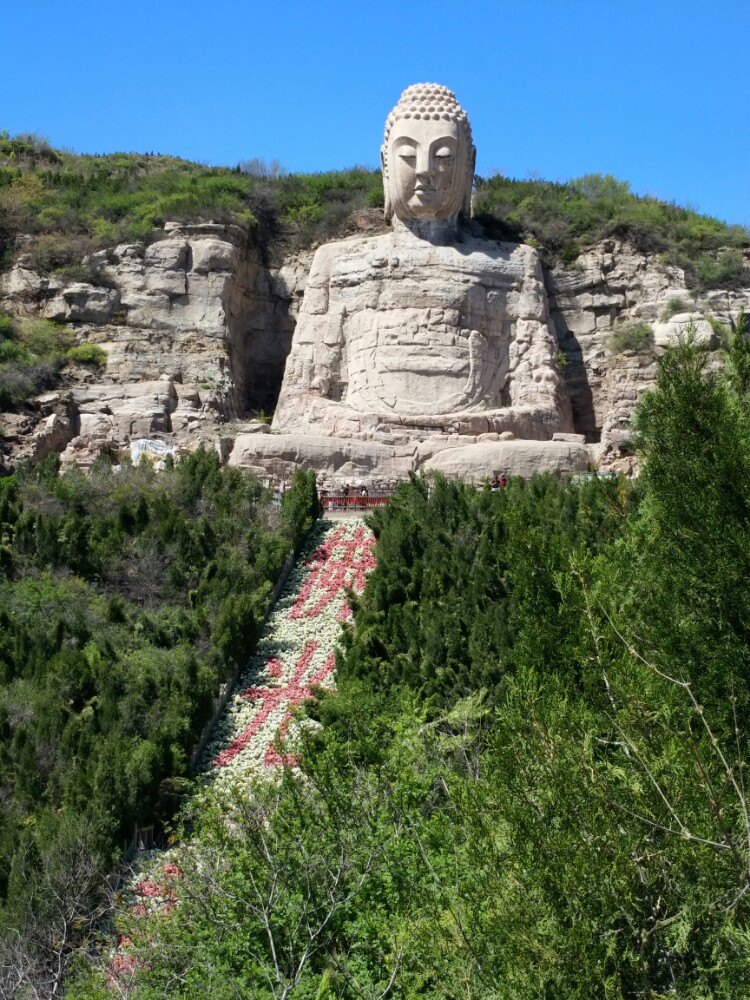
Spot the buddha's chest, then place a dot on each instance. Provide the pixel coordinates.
(423, 333)
(419, 360)
(474, 291)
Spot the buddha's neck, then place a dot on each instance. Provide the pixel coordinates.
(441, 232)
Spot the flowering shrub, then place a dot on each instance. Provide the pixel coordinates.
(149, 889)
(295, 653)
(121, 969)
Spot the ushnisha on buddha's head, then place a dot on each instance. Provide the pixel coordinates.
(427, 156)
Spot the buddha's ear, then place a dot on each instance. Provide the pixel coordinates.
(387, 210)
(471, 164)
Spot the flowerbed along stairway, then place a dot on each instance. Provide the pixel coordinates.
(295, 652)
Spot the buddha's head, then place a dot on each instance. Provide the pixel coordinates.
(427, 156)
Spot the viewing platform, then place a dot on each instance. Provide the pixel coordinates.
(349, 501)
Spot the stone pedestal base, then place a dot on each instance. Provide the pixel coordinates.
(476, 462)
(347, 459)
(279, 455)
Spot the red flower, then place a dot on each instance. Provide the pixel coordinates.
(274, 667)
(121, 967)
(149, 889)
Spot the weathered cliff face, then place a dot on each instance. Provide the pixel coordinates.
(609, 286)
(197, 332)
(195, 329)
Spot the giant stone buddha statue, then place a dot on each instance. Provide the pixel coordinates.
(427, 334)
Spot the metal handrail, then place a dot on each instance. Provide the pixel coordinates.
(342, 501)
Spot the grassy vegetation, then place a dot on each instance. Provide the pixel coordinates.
(32, 355)
(87, 354)
(565, 218)
(673, 307)
(631, 336)
(73, 204)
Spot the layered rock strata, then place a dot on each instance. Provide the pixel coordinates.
(197, 332)
(609, 286)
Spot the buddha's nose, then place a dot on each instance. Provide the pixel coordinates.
(422, 166)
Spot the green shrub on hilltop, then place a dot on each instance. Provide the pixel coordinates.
(27, 147)
(74, 203)
(727, 269)
(565, 218)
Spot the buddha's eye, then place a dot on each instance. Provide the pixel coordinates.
(443, 152)
(407, 152)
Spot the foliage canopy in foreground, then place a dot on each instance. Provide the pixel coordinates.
(531, 782)
(125, 599)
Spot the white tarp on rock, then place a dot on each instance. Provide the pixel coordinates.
(155, 450)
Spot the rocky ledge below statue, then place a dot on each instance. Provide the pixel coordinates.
(467, 457)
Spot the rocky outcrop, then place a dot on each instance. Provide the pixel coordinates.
(480, 461)
(26, 293)
(278, 455)
(197, 331)
(194, 328)
(608, 287)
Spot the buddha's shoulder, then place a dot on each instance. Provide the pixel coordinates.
(467, 253)
(355, 253)
(353, 246)
(498, 249)
(472, 256)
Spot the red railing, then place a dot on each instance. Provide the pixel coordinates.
(352, 501)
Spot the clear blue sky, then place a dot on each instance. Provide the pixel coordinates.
(657, 92)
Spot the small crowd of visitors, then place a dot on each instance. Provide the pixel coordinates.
(334, 496)
(353, 497)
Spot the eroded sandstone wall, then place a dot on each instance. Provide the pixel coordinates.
(608, 287)
(195, 329)
(197, 332)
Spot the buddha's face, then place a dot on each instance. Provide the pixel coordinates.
(427, 169)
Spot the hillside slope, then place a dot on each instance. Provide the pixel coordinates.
(70, 202)
(170, 291)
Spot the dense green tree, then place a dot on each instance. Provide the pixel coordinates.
(531, 780)
(126, 598)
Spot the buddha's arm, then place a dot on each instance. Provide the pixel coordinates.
(312, 322)
(315, 357)
(534, 380)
